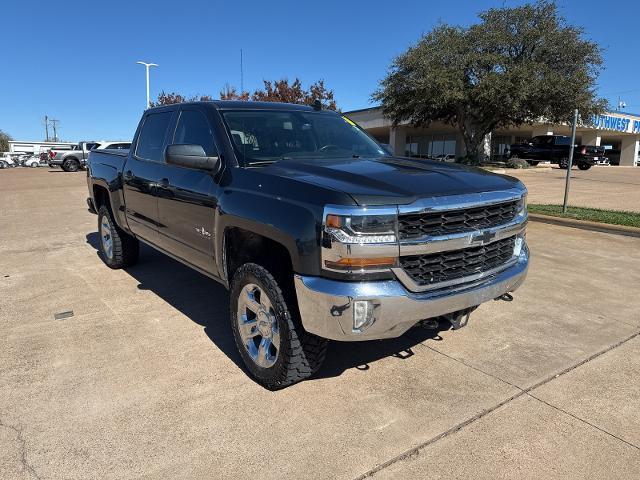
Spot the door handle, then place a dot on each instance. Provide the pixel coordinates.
(128, 175)
(164, 183)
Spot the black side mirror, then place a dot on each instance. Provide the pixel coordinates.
(190, 156)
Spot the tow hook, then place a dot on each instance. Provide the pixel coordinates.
(507, 297)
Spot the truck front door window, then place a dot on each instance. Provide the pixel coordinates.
(194, 129)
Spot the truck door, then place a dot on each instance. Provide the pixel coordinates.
(140, 175)
(187, 198)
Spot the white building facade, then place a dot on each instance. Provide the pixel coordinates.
(36, 148)
(618, 132)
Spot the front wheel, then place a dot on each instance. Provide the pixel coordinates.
(584, 166)
(118, 248)
(274, 346)
(564, 162)
(70, 165)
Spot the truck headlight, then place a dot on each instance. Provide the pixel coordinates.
(522, 206)
(360, 243)
(363, 228)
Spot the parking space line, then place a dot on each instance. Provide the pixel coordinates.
(456, 428)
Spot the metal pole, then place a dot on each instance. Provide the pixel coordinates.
(147, 66)
(573, 142)
(148, 102)
(46, 127)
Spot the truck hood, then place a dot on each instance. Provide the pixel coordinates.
(385, 180)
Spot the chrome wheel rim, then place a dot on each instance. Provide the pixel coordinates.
(105, 236)
(258, 326)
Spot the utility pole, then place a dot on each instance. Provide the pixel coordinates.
(46, 128)
(573, 142)
(147, 65)
(54, 125)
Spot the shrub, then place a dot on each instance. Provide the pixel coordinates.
(517, 163)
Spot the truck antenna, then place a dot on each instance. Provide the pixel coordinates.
(241, 75)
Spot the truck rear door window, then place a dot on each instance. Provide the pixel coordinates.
(151, 138)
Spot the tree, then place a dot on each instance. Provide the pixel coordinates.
(5, 138)
(172, 97)
(274, 91)
(517, 66)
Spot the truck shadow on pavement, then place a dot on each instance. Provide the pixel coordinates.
(206, 302)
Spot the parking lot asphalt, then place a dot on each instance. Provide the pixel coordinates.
(142, 380)
(610, 188)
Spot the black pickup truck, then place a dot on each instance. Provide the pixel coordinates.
(555, 149)
(316, 230)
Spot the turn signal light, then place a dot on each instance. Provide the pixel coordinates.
(362, 263)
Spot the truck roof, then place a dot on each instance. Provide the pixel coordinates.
(246, 105)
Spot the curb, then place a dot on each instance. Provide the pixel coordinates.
(586, 225)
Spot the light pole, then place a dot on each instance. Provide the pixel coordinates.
(147, 65)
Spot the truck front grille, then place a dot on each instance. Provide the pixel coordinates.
(417, 225)
(455, 264)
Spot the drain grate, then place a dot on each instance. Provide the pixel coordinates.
(63, 315)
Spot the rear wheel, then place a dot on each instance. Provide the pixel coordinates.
(564, 162)
(118, 248)
(70, 165)
(584, 166)
(274, 346)
(34, 165)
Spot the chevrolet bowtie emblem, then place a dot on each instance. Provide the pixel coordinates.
(484, 237)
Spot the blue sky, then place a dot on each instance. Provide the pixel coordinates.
(75, 60)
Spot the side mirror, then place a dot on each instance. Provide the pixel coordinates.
(190, 156)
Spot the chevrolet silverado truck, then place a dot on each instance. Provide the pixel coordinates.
(555, 149)
(315, 229)
(72, 160)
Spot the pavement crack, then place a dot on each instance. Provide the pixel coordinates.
(23, 449)
(415, 451)
(583, 420)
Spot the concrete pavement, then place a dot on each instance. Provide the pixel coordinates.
(144, 379)
(610, 188)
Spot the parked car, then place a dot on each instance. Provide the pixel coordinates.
(76, 158)
(32, 161)
(315, 229)
(445, 157)
(8, 160)
(555, 149)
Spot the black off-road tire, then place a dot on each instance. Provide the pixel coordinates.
(563, 163)
(584, 166)
(125, 248)
(71, 165)
(301, 353)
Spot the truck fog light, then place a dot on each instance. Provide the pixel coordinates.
(518, 245)
(362, 314)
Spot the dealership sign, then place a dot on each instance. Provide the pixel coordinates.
(619, 124)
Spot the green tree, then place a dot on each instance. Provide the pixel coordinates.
(514, 67)
(5, 138)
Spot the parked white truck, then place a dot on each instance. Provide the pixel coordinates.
(72, 160)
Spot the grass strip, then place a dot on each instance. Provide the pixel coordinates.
(613, 217)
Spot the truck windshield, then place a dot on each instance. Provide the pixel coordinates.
(265, 136)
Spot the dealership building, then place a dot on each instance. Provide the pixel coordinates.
(618, 132)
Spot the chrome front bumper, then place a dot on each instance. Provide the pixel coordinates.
(326, 305)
